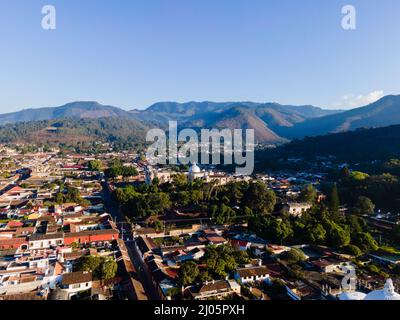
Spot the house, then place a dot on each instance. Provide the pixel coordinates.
(40, 241)
(297, 209)
(90, 236)
(302, 291)
(20, 278)
(180, 256)
(252, 274)
(330, 265)
(76, 282)
(13, 243)
(241, 245)
(214, 238)
(14, 224)
(214, 289)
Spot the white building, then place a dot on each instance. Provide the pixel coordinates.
(76, 282)
(42, 241)
(387, 293)
(297, 209)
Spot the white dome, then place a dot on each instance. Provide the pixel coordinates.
(352, 296)
(387, 293)
(194, 168)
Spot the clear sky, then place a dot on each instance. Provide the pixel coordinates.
(132, 53)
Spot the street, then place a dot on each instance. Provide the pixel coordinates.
(126, 235)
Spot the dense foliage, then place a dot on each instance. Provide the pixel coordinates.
(102, 268)
(224, 204)
(218, 262)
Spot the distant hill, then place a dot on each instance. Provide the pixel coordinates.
(354, 146)
(74, 131)
(273, 123)
(265, 118)
(384, 112)
(178, 111)
(236, 117)
(80, 109)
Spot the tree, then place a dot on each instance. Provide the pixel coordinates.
(188, 273)
(364, 205)
(113, 172)
(259, 198)
(222, 214)
(196, 196)
(219, 268)
(129, 172)
(356, 225)
(308, 194)
(182, 198)
(108, 269)
(180, 180)
(337, 236)
(293, 256)
(94, 165)
(241, 257)
(344, 174)
(366, 242)
(333, 200)
(353, 250)
(247, 212)
(59, 198)
(204, 276)
(158, 225)
(358, 175)
(272, 229)
(158, 202)
(89, 263)
(316, 234)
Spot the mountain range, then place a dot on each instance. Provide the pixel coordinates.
(273, 123)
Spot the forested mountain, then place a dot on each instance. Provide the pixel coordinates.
(264, 118)
(354, 146)
(273, 123)
(384, 112)
(74, 131)
(79, 109)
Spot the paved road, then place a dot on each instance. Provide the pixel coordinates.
(111, 206)
(141, 269)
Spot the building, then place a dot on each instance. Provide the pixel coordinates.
(214, 289)
(13, 243)
(41, 241)
(252, 274)
(388, 293)
(332, 265)
(76, 282)
(195, 173)
(297, 209)
(89, 236)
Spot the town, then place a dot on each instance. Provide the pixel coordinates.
(111, 226)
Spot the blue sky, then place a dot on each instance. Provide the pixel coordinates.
(132, 53)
